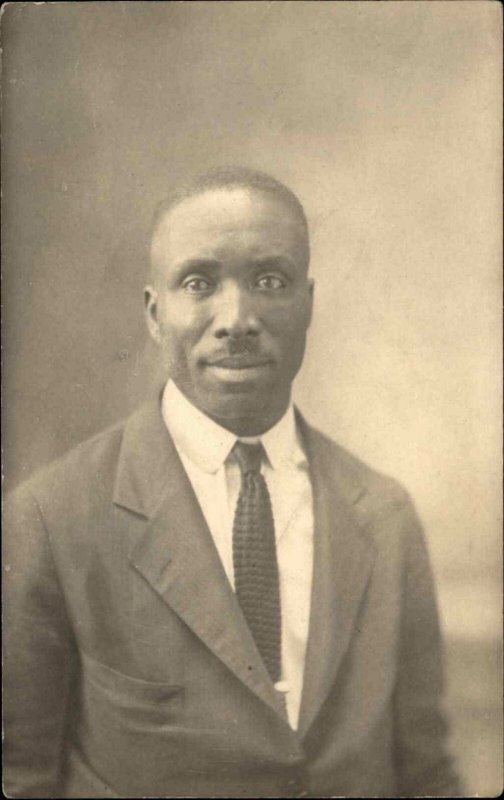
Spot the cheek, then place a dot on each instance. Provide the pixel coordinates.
(181, 324)
(289, 323)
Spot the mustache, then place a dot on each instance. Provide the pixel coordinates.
(238, 347)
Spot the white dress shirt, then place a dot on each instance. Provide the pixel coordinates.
(203, 447)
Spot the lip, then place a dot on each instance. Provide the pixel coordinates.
(239, 362)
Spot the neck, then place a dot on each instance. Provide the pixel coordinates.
(243, 416)
(250, 425)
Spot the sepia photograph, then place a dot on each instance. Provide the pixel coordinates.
(252, 399)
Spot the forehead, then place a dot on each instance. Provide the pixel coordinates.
(229, 222)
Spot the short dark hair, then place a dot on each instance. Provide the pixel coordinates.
(230, 177)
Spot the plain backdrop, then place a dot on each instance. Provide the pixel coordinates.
(385, 119)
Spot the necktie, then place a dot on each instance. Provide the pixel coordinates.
(255, 560)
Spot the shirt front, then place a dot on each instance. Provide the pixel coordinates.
(204, 447)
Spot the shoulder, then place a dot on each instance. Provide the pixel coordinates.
(86, 470)
(372, 493)
(382, 508)
(353, 475)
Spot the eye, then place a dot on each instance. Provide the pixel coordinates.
(270, 282)
(196, 284)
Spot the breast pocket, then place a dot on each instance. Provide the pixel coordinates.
(113, 699)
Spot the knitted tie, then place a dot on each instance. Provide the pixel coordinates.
(254, 558)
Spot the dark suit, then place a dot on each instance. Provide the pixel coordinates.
(130, 671)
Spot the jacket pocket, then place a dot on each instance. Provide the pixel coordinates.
(125, 690)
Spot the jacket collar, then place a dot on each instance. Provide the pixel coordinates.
(146, 459)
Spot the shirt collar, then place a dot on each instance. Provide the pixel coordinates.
(208, 444)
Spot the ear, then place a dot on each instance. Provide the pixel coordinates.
(151, 312)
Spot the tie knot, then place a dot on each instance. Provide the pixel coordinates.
(248, 456)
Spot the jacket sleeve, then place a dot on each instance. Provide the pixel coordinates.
(423, 763)
(37, 654)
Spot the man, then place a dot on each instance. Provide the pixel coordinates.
(213, 599)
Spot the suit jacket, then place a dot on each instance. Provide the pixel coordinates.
(130, 670)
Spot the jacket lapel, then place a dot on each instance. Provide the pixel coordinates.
(176, 554)
(343, 557)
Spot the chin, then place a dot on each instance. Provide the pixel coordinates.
(239, 401)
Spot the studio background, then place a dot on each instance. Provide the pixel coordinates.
(385, 119)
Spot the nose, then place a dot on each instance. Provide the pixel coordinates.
(235, 315)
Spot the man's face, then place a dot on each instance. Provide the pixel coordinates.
(231, 303)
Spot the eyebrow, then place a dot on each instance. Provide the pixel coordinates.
(198, 263)
(266, 262)
(273, 261)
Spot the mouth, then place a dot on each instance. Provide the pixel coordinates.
(237, 369)
(238, 362)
